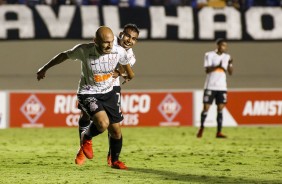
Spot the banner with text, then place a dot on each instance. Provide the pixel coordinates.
(139, 109)
(244, 108)
(156, 22)
(256, 107)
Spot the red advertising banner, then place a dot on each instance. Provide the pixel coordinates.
(157, 109)
(139, 109)
(43, 110)
(256, 107)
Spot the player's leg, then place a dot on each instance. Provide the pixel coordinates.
(221, 99)
(115, 145)
(112, 107)
(92, 104)
(207, 101)
(204, 114)
(117, 90)
(83, 124)
(99, 124)
(109, 157)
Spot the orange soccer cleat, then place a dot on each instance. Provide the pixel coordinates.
(86, 146)
(220, 135)
(80, 157)
(119, 165)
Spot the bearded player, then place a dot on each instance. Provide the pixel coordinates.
(127, 39)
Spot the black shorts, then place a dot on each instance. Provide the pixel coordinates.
(117, 89)
(93, 103)
(219, 96)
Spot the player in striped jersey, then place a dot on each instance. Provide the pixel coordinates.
(216, 63)
(127, 39)
(95, 92)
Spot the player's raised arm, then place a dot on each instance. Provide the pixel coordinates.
(54, 61)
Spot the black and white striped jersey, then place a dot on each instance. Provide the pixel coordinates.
(96, 69)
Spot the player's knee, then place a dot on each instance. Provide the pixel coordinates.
(116, 134)
(103, 125)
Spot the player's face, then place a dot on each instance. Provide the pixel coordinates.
(105, 44)
(222, 47)
(128, 38)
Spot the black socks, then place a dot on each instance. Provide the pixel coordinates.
(219, 121)
(203, 118)
(115, 147)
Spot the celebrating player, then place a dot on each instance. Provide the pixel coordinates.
(127, 39)
(95, 92)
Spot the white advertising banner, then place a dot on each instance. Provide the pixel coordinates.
(228, 119)
(3, 110)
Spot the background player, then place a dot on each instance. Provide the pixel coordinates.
(216, 63)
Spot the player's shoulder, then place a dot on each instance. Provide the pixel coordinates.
(130, 51)
(84, 46)
(119, 49)
(210, 52)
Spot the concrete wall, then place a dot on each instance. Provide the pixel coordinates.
(160, 65)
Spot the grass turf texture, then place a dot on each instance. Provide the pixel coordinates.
(153, 155)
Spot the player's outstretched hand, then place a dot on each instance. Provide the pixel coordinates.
(40, 74)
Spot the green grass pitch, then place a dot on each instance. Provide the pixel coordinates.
(156, 155)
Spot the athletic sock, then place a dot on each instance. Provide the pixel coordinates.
(203, 118)
(83, 125)
(219, 121)
(115, 146)
(92, 131)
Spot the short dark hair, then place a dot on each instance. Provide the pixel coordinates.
(220, 40)
(132, 27)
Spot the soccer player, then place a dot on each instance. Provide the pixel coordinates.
(216, 63)
(95, 91)
(127, 39)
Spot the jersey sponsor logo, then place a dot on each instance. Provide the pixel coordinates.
(219, 70)
(169, 108)
(102, 77)
(263, 108)
(32, 110)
